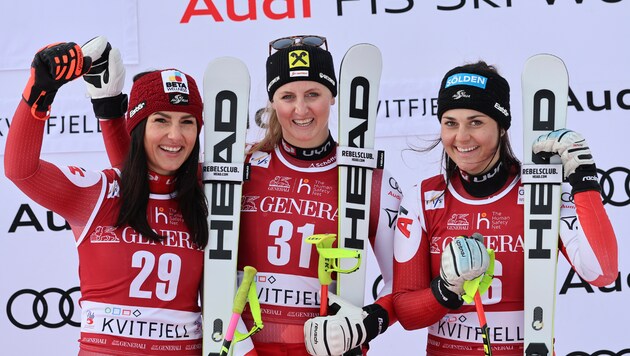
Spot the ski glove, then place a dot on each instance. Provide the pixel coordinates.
(348, 329)
(463, 259)
(578, 163)
(106, 79)
(52, 67)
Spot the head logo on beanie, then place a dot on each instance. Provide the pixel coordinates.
(297, 63)
(163, 90)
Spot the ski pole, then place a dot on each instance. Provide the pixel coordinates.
(239, 304)
(476, 288)
(329, 262)
(485, 332)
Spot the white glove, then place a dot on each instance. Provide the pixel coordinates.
(577, 160)
(348, 329)
(570, 145)
(463, 259)
(106, 77)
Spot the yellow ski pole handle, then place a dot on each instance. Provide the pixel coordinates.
(254, 308)
(239, 304)
(473, 290)
(328, 262)
(329, 257)
(323, 241)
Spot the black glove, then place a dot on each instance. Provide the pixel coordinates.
(52, 67)
(443, 295)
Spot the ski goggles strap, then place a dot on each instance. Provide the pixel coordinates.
(304, 40)
(254, 307)
(481, 283)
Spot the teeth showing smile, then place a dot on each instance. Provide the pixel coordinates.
(304, 122)
(171, 149)
(460, 149)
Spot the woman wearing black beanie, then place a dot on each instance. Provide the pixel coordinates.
(480, 193)
(293, 193)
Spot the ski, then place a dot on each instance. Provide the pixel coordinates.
(226, 85)
(359, 79)
(545, 88)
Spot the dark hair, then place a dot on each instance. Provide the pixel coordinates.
(134, 192)
(506, 153)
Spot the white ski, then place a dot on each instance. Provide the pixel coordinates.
(545, 86)
(226, 85)
(359, 79)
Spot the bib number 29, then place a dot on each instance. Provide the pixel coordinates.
(168, 267)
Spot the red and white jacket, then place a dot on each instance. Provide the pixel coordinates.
(434, 213)
(287, 200)
(138, 297)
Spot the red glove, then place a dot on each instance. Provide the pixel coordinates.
(52, 67)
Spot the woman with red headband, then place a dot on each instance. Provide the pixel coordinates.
(140, 230)
(480, 192)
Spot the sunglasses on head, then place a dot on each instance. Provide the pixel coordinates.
(300, 40)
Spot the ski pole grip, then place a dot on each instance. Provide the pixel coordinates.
(241, 294)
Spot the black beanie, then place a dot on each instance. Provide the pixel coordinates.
(297, 63)
(479, 89)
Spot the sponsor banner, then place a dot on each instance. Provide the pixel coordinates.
(37, 252)
(124, 320)
(44, 22)
(508, 327)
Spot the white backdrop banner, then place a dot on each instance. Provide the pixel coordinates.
(420, 41)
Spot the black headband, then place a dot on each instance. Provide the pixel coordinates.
(297, 63)
(483, 90)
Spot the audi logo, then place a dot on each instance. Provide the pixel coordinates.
(375, 286)
(601, 353)
(622, 185)
(43, 310)
(394, 184)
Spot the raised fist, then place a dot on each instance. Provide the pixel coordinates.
(105, 79)
(52, 67)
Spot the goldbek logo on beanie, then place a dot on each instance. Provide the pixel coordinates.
(484, 90)
(163, 90)
(298, 63)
